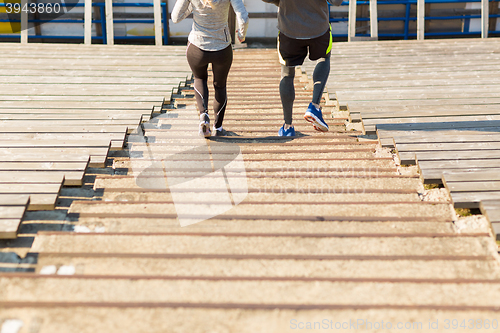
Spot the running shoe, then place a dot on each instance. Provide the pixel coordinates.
(314, 116)
(219, 131)
(286, 132)
(205, 125)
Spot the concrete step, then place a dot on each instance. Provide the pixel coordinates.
(152, 224)
(300, 244)
(279, 173)
(221, 149)
(366, 165)
(277, 185)
(160, 318)
(369, 164)
(193, 202)
(183, 155)
(253, 266)
(267, 291)
(136, 195)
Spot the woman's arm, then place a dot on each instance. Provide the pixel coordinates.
(241, 19)
(181, 10)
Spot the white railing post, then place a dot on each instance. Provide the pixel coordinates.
(373, 19)
(110, 33)
(157, 24)
(24, 22)
(87, 34)
(351, 30)
(420, 19)
(485, 18)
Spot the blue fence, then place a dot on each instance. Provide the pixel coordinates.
(405, 34)
(102, 22)
(407, 19)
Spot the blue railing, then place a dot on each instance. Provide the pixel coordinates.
(408, 18)
(102, 22)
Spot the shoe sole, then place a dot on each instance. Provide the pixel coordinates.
(205, 131)
(316, 124)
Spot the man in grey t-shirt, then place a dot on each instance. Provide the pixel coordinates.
(304, 28)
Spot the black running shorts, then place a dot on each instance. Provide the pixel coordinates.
(293, 51)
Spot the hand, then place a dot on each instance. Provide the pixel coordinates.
(240, 37)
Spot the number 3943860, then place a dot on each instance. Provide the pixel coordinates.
(33, 8)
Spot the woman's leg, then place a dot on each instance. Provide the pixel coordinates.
(198, 61)
(221, 64)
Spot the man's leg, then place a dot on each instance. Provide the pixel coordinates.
(292, 52)
(319, 49)
(287, 93)
(320, 77)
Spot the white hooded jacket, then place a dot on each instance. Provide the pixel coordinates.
(210, 31)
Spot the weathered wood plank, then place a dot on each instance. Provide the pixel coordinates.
(416, 111)
(491, 204)
(448, 146)
(43, 201)
(42, 123)
(68, 129)
(30, 188)
(472, 199)
(458, 155)
(418, 85)
(12, 153)
(478, 186)
(9, 228)
(11, 212)
(98, 88)
(14, 200)
(473, 175)
(489, 124)
(131, 116)
(29, 177)
(442, 134)
(77, 105)
(155, 99)
(430, 119)
(168, 72)
(45, 166)
(460, 164)
(12, 209)
(68, 178)
(358, 105)
(82, 80)
(437, 138)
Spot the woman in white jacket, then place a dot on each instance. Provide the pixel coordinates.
(210, 43)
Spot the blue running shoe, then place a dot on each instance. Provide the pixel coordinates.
(289, 132)
(314, 116)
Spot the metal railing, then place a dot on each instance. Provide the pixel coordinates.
(420, 18)
(103, 21)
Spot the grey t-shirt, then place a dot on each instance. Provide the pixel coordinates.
(210, 30)
(303, 19)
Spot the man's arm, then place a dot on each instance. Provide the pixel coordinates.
(276, 2)
(333, 2)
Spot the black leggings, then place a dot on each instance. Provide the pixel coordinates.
(221, 63)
